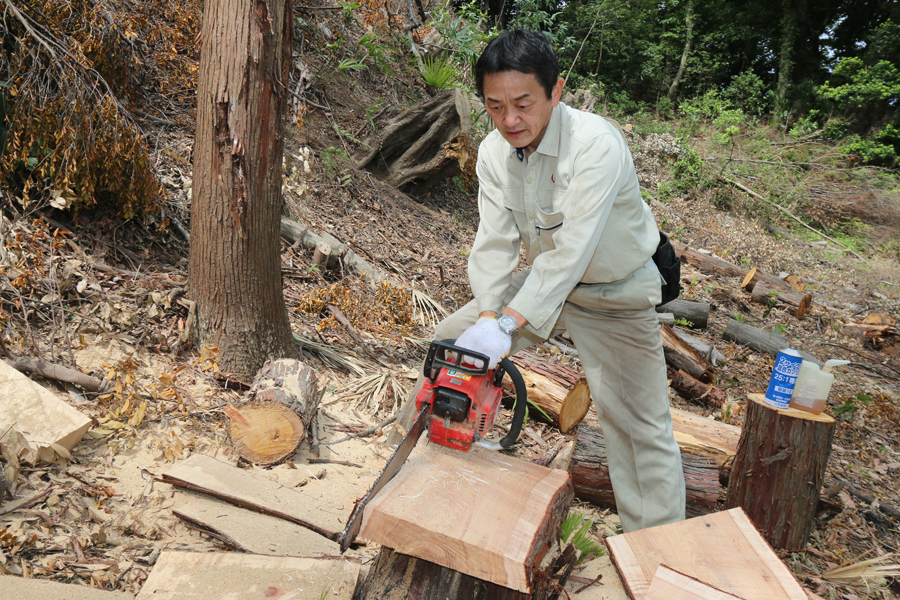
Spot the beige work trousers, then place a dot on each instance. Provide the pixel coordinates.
(615, 329)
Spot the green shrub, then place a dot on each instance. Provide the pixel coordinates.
(708, 106)
(687, 171)
(748, 92)
(439, 73)
(853, 84)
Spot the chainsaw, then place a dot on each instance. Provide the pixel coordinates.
(458, 405)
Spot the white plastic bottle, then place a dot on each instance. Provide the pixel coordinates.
(812, 387)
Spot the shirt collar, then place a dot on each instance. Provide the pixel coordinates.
(549, 145)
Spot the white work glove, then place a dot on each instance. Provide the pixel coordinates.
(486, 337)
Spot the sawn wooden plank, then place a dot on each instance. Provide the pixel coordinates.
(257, 492)
(479, 512)
(251, 531)
(669, 584)
(19, 588)
(722, 549)
(233, 576)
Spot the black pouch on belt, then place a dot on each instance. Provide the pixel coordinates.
(669, 267)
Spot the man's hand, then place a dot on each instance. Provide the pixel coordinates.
(486, 337)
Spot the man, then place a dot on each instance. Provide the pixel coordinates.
(561, 183)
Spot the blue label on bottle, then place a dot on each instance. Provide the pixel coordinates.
(781, 383)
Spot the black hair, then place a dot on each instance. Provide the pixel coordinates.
(528, 52)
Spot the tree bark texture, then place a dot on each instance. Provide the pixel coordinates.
(235, 275)
(695, 313)
(560, 391)
(590, 474)
(688, 42)
(697, 391)
(289, 382)
(768, 295)
(423, 145)
(779, 469)
(681, 355)
(760, 340)
(396, 576)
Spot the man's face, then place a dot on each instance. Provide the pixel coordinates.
(519, 107)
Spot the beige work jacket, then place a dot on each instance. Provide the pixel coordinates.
(574, 204)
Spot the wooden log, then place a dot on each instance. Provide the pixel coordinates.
(779, 469)
(27, 364)
(706, 437)
(265, 433)
(681, 355)
(483, 514)
(697, 391)
(590, 474)
(706, 263)
(707, 351)
(768, 295)
(289, 382)
(760, 340)
(756, 275)
(396, 576)
(695, 313)
(321, 255)
(560, 391)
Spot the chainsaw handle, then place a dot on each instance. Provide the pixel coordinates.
(520, 408)
(437, 358)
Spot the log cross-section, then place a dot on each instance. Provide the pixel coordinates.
(559, 391)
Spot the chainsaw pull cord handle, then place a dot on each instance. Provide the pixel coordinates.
(521, 403)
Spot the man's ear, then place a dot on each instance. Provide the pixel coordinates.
(556, 95)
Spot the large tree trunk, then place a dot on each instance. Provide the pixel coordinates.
(423, 145)
(785, 58)
(688, 42)
(235, 275)
(779, 469)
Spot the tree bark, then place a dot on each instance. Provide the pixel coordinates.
(560, 391)
(680, 355)
(785, 58)
(290, 382)
(695, 313)
(688, 42)
(779, 469)
(756, 275)
(235, 275)
(760, 340)
(768, 295)
(396, 576)
(706, 263)
(423, 145)
(590, 474)
(697, 391)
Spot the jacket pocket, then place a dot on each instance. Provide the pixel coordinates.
(547, 224)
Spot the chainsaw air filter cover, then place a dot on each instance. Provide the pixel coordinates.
(451, 403)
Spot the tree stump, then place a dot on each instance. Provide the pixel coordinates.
(590, 474)
(423, 145)
(265, 433)
(779, 469)
(560, 391)
(396, 576)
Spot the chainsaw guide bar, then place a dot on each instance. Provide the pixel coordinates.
(390, 469)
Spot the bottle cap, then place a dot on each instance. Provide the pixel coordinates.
(830, 364)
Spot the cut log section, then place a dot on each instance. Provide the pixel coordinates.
(706, 263)
(560, 391)
(705, 437)
(289, 382)
(695, 313)
(484, 514)
(321, 255)
(722, 549)
(423, 145)
(669, 584)
(681, 355)
(396, 576)
(264, 433)
(768, 295)
(756, 275)
(590, 474)
(779, 469)
(760, 340)
(697, 391)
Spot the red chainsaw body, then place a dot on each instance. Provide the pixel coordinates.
(463, 405)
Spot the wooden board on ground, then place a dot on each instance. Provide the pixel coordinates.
(257, 492)
(233, 576)
(722, 549)
(19, 588)
(36, 412)
(481, 513)
(669, 584)
(248, 530)
(705, 437)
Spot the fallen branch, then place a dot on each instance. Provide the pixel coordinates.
(364, 432)
(885, 508)
(788, 213)
(57, 372)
